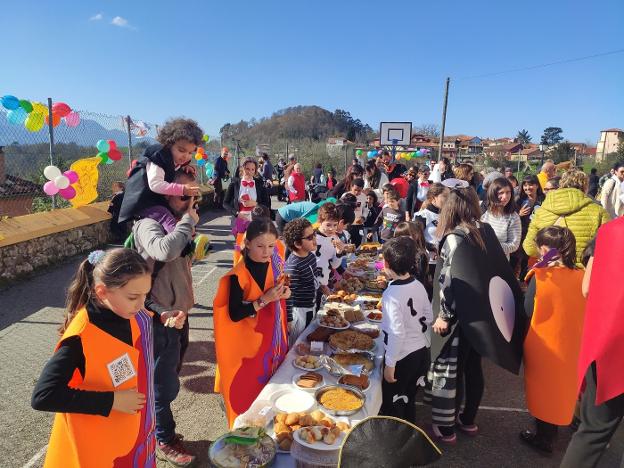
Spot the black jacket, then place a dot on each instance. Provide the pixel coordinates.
(231, 196)
(137, 194)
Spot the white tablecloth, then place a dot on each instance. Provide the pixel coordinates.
(282, 380)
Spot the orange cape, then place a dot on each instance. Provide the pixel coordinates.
(553, 343)
(249, 351)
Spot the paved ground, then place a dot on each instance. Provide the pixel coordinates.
(31, 312)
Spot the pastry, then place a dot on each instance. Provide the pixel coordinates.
(350, 339)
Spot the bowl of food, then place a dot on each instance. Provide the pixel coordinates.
(292, 401)
(308, 381)
(320, 437)
(333, 319)
(244, 447)
(340, 400)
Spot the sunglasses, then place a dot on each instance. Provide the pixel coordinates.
(310, 237)
(188, 197)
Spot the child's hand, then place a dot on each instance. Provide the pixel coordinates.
(128, 401)
(389, 374)
(191, 190)
(440, 326)
(192, 211)
(249, 203)
(285, 293)
(189, 169)
(275, 293)
(173, 318)
(339, 245)
(325, 289)
(525, 210)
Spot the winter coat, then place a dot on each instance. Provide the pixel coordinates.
(571, 208)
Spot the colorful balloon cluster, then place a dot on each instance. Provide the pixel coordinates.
(413, 154)
(202, 159)
(60, 183)
(108, 152)
(33, 115)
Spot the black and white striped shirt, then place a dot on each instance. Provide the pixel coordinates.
(303, 282)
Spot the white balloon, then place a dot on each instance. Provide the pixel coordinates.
(62, 182)
(51, 172)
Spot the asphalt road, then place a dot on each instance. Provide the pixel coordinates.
(30, 313)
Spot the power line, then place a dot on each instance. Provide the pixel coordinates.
(543, 65)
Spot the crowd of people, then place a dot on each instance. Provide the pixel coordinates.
(480, 265)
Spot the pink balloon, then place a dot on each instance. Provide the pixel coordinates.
(49, 188)
(72, 119)
(61, 109)
(68, 193)
(72, 176)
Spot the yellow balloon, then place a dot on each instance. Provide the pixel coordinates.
(86, 187)
(198, 156)
(34, 122)
(39, 108)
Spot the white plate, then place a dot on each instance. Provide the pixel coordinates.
(298, 376)
(333, 328)
(363, 390)
(371, 320)
(305, 368)
(319, 445)
(293, 401)
(372, 350)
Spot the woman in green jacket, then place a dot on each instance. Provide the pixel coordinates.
(568, 206)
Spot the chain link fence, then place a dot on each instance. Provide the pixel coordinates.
(24, 155)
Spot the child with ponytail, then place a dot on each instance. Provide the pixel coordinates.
(100, 379)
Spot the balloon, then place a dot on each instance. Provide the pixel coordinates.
(369, 154)
(206, 138)
(205, 156)
(209, 170)
(34, 122)
(201, 150)
(72, 176)
(26, 105)
(86, 186)
(114, 154)
(201, 162)
(198, 156)
(17, 116)
(50, 188)
(61, 109)
(61, 182)
(67, 193)
(102, 146)
(112, 144)
(40, 108)
(72, 119)
(10, 102)
(51, 172)
(56, 119)
(104, 157)
(109, 161)
(359, 152)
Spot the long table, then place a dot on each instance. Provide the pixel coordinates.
(282, 380)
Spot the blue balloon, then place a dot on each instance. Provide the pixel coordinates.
(17, 116)
(371, 154)
(201, 162)
(102, 146)
(209, 170)
(10, 102)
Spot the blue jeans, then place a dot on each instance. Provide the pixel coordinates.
(167, 346)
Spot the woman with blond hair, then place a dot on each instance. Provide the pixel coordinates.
(569, 206)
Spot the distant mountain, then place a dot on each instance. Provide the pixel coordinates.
(87, 133)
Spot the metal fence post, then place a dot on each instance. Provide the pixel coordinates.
(128, 122)
(51, 135)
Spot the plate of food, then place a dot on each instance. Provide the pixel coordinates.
(285, 424)
(292, 401)
(307, 363)
(355, 359)
(353, 316)
(247, 446)
(308, 381)
(361, 382)
(351, 339)
(342, 296)
(333, 319)
(340, 400)
(374, 317)
(368, 328)
(320, 334)
(320, 437)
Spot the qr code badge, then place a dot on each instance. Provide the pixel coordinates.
(121, 370)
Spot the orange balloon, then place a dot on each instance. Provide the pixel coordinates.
(56, 119)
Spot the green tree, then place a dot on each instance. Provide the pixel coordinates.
(562, 152)
(551, 136)
(523, 137)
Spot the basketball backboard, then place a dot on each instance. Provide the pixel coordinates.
(395, 133)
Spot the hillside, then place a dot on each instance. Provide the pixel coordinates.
(295, 124)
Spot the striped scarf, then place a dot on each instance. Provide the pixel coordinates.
(441, 384)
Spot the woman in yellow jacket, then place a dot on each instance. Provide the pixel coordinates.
(568, 206)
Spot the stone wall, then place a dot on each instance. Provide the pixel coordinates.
(19, 260)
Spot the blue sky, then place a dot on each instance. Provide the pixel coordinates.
(225, 61)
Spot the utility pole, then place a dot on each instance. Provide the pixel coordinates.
(51, 134)
(448, 81)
